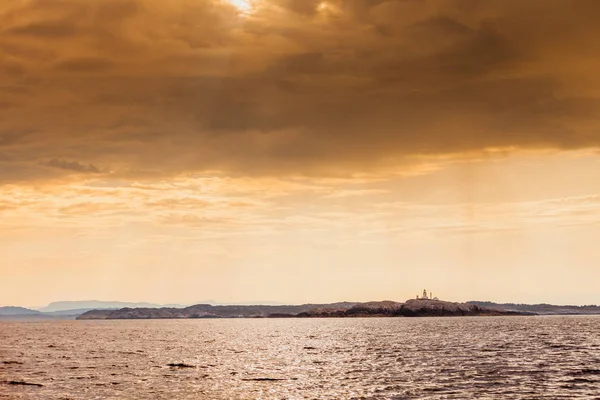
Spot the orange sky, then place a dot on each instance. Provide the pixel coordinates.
(299, 150)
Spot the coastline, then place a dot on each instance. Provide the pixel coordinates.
(382, 309)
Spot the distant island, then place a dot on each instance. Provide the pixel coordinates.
(425, 305)
(69, 306)
(421, 306)
(410, 308)
(541, 309)
(70, 309)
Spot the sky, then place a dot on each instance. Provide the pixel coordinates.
(299, 151)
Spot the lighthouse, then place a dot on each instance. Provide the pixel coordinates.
(426, 296)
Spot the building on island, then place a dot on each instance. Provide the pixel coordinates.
(425, 296)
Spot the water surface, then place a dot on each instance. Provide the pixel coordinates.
(377, 358)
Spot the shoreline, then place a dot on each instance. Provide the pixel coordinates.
(413, 308)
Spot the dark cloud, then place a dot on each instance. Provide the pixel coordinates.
(72, 166)
(88, 64)
(44, 29)
(299, 87)
(11, 138)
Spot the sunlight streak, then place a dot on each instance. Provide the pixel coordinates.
(244, 6)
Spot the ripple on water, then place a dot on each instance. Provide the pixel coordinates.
(423, 358)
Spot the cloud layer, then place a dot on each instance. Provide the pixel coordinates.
(146, 88)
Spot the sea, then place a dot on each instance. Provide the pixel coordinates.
(528, 357)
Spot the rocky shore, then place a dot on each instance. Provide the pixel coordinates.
(410, 308)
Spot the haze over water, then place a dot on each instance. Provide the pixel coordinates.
(400, 358)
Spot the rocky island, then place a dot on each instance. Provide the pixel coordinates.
(420, 307)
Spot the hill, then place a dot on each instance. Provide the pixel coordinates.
(95, 304)
(411, 308)
(541, 309)
(9, 311)
(210, 311)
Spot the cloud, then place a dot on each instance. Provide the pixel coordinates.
(72, 166)
(44, 29)
(294, 87)
(340, 193)
(89, 64)
(195, 221)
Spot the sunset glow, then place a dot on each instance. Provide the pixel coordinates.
(243, 5)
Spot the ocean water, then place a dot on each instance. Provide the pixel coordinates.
(379, 358)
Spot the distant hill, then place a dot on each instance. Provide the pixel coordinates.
(6, 311)
(75, 312)
(541, 309)
(412, 308)
(210, 311)
(125, 310)
(67, 309)
(95, 304)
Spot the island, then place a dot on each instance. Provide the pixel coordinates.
(424, 306)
